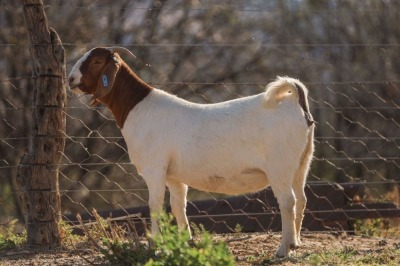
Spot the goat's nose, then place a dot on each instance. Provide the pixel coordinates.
(70, 80)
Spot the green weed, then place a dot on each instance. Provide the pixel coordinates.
(173, 247)
(370, 227)
(350, 256)
(10, 239)
(120, 245)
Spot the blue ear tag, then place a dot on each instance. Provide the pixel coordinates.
(105, 80)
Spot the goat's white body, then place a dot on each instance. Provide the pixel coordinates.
(215, 147)
(233, 147)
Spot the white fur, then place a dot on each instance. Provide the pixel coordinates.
(209, 147)
(76, 73)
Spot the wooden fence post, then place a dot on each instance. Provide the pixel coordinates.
(37, 176)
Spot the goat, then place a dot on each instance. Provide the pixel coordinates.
(233, 147)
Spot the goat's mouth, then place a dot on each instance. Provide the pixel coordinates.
(74, 86)
(77, 88)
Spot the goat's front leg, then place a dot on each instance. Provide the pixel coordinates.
(155, 181)
(178, 192)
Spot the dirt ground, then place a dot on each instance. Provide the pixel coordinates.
(247, 248)
(259, 247)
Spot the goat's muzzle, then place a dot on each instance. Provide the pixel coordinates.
(74, 86)
(71, 84)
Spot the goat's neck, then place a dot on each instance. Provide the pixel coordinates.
(127, 92)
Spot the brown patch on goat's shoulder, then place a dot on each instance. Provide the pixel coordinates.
(127, 92)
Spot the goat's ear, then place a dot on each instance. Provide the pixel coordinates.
(107, 77)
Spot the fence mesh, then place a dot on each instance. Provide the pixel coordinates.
(356, 170)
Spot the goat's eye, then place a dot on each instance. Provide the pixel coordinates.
(97, 62)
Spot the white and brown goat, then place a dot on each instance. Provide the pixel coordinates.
(233, 147)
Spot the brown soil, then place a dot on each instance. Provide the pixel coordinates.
(247, 248)
(259, 248)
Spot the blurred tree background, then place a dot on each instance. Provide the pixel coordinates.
(346, 52)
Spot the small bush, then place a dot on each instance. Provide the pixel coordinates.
(68, 238)
(371, 227)
(121, 246)
(122, 252)
(173, 248)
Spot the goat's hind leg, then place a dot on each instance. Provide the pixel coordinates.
(299, 183)
(178, 192)
(301, 200)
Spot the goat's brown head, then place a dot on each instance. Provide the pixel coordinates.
(95, 72)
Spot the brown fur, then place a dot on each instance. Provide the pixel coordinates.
(126, 91)
(304, 105)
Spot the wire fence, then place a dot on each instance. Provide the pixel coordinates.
(354, 175)
(356, 170)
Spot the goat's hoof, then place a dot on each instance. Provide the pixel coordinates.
(295, 245)
(282, 252)
(299, 242)
(279, 255)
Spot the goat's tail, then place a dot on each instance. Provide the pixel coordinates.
(282, 88)
(302, 92)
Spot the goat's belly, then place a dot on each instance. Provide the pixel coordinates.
(246, 181)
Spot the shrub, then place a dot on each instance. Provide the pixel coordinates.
(9, 239)
(173, 248)
(121, 246)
